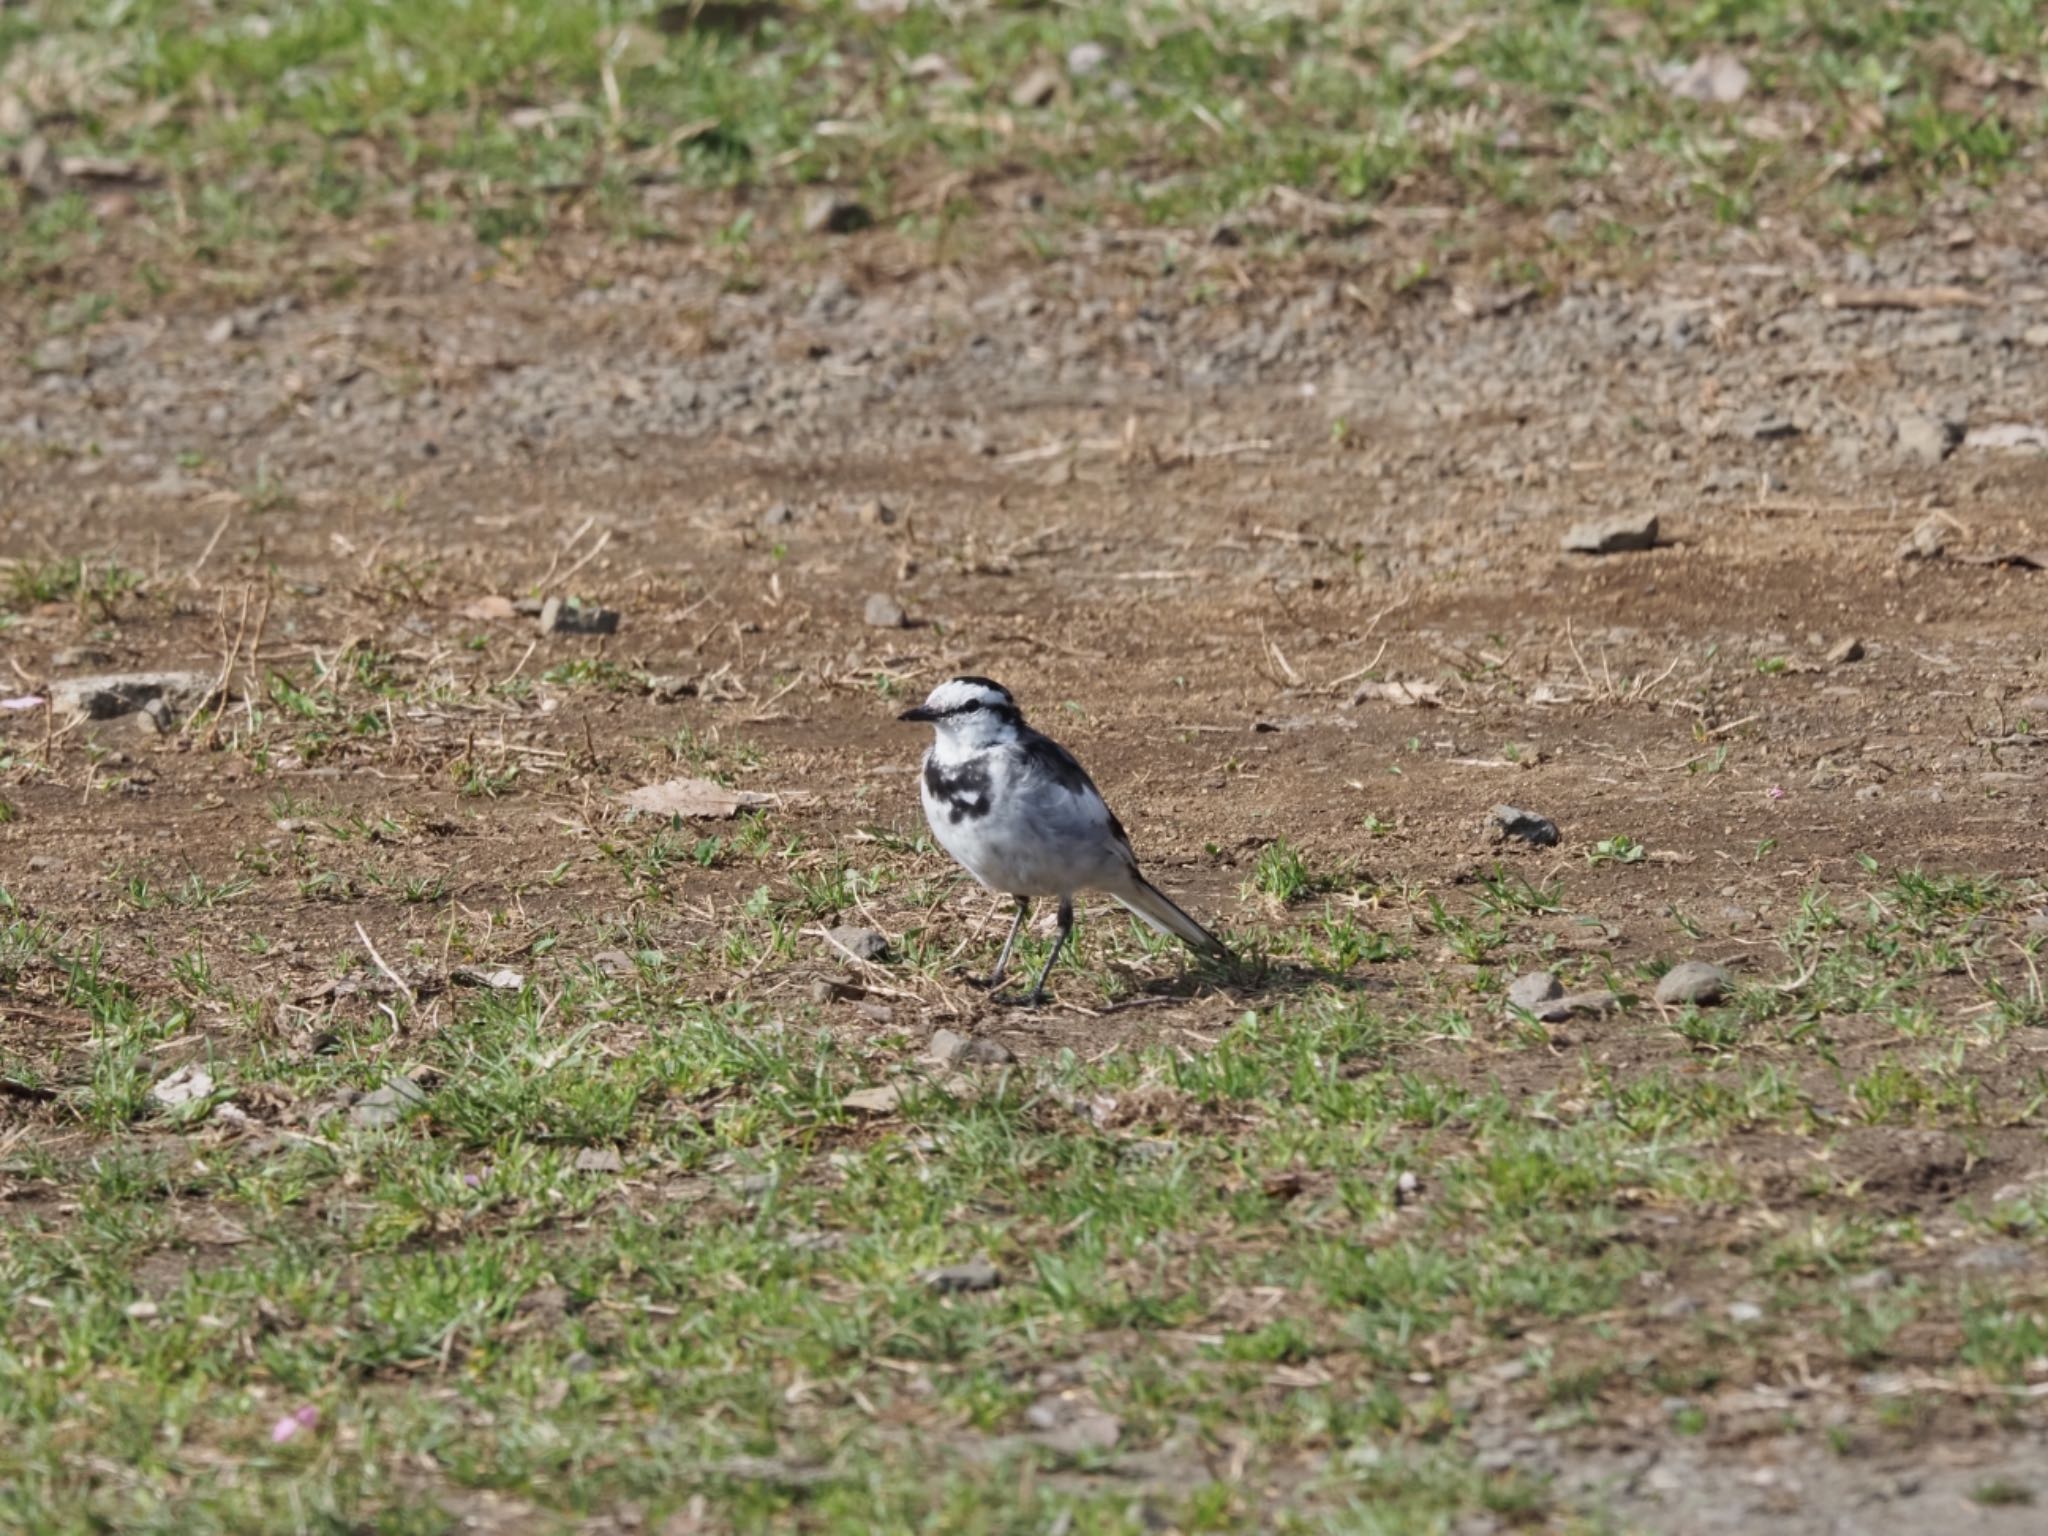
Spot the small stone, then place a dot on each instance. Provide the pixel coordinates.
(833, 213)
(1573, 1004)
(883, 612)
(1926, 541)
(1036, 89)
(1927, 440)
(80, 656)
(1613, 535)
(1719, 79)
(399, 1099)
(1084, 59)
(884, 1100)
(1693, 981)
(1508, 821)
(1072, 1425)
(1745, 1312)
(1995, 1257)
(1768, 427)
(614, 962)
(776, 518)
(876, 513)
(860, 943)
(496, 979)
(668, 689)
(155, 717)
(1529, 993)
(40, 863)
(564, 618)
(600, 1160)
(141, 1311)
(112, 695)
(977, 1274)
(957, 1050)
(190, 1084)
(1870, 1280)
(2037, 923)
(1843, 652)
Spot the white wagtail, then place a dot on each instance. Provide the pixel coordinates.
(1023, 817)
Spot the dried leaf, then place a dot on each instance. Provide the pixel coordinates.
(694, 798)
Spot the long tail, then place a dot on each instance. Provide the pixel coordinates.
(1156, 908)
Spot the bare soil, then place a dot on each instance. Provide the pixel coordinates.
(1182, 507)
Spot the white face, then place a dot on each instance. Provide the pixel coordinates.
(968, 710)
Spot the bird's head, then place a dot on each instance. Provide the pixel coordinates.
(970, 710)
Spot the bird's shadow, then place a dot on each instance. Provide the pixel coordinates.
(1252, 979)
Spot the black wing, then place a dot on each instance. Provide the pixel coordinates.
(1048, 757)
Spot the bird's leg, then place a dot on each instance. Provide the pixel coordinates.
(995, 977)
(1037, 994)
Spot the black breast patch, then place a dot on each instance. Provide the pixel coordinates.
(963, 791)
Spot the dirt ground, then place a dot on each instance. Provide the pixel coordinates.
(1183, 505)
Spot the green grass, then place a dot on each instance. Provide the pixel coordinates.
(635, 1249)
(523, 118)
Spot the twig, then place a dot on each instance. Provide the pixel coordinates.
(1936, 297)
(207, 553)
(227, 668)
(395, 979)
(588, 556)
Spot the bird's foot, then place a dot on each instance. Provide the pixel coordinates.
(1031, 999)
(981, 983)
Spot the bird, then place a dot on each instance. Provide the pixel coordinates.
(1020, 814)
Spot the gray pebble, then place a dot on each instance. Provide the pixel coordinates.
(1572, 1004)
(953, 1049)
(1693, 981)
(861, 943)
(977, 1274)
(883, 612)
(1768, 427)
(399, 1099)
(1926, 542)
(1510, 821)
(1084, 59)
(560, 618)
(1995, 1257)
(115, 694)
(1927, 440)
(1613, 535)
(1532, 991)
(831, 213)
